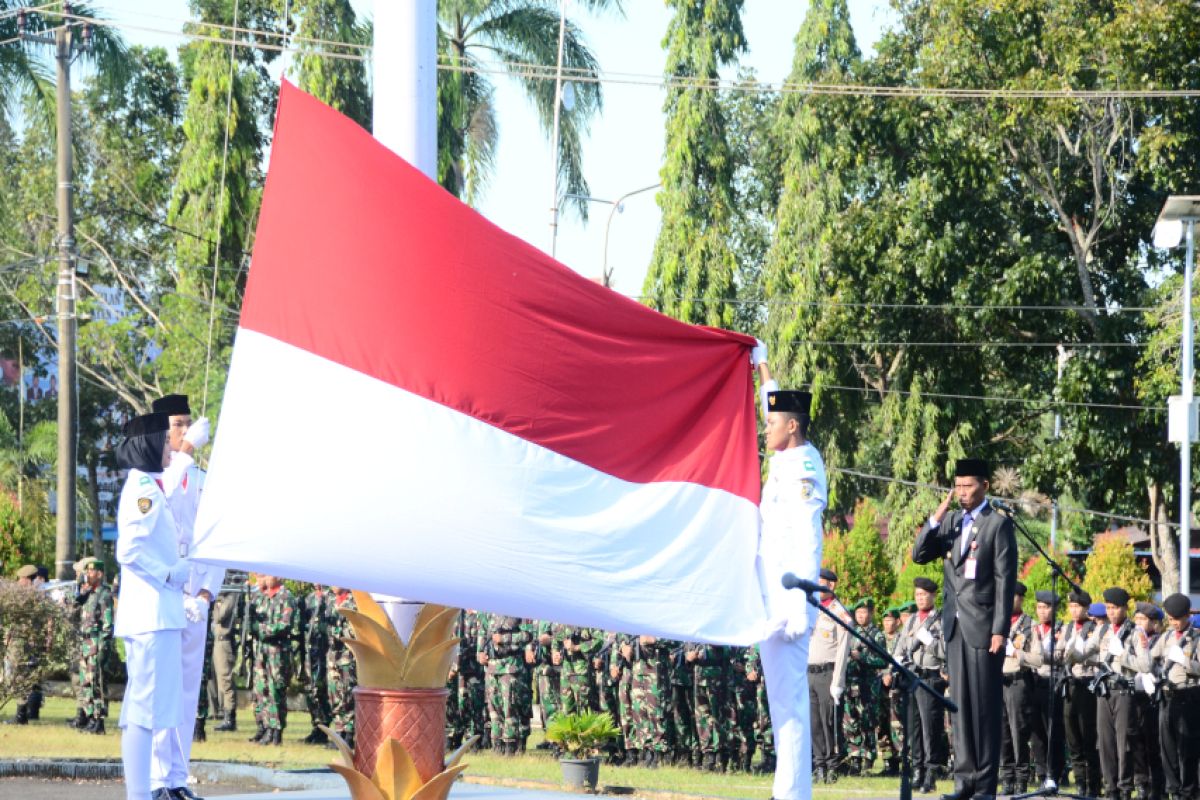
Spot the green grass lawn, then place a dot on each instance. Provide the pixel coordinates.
(49, 737)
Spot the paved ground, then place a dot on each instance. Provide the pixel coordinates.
(46, 789)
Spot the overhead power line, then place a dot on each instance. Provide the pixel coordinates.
(1065, 345)
(1020, 500)
(550, 72)
(741, 301)
(1049, 403)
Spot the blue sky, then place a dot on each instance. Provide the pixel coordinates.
(625, 147)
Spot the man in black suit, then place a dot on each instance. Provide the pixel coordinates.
(979, 550)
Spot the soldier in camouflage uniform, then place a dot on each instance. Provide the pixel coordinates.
(502, 649)
(95, 604)
(764, 739)
(340, 678)
(683, 705)
(711, 677)
(890, 733)
(473, 699)
(607, 691)
(251, 651)
(650, 695)
(861, 708)
(274, 627)
(525, 685)
(314, 616)
(743, 710)
(620, 672)
(574, 652)
(203, 700)
(546, 674)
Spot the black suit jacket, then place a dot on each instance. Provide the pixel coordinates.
(980, 607)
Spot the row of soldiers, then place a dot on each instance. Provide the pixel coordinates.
(674, 702)
(280, 636)
(1112, 697)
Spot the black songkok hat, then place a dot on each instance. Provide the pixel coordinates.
(1116, 595)
(1178, 606)
(924, 583)
(1049, 598)
(1150, 610)
(1022, 589)
(172, 405)
(829, 575)
(789, 400)
(972, 468)
(1082, 598)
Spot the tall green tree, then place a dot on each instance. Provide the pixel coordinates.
(518, 33)
(693, 269)
(340, 83)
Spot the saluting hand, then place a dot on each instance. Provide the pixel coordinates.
(940, 514)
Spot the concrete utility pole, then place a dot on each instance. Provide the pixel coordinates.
(65, 50)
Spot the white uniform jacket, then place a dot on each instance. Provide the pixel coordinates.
(147, 549)
(789, 538)
(183, 482)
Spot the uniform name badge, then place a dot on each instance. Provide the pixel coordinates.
(971, 563)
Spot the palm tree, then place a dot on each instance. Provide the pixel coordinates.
(27, 74)
(514, 33)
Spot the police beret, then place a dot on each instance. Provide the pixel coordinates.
(972, 468)
(27, 571)
(1116, 595)
(790, 401)
(924, 583)
(891, 611)
(864, 602)
(172, 405)
(147, 423)
(1022, 589)
(1097, 610)
(829, 575)
(1049, 598)
(1080, 598)
(93, 563)
(1178, 606)
(1149, 609)
(910, 607)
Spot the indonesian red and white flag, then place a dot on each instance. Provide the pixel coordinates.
(423, 405)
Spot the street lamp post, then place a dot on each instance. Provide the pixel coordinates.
(1179, 214)
(619, 205)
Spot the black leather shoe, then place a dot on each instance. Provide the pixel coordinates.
(227, 724)
(184, 793)
(95, 727)
(258, 735)
(162, 794)
(79, 721)
(198, 734)
(962, 793)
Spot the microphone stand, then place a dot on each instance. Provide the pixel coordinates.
(909, 683)
(1050, 787)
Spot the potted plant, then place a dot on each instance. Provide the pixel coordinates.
(581, 736)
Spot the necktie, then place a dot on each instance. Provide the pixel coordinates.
(968, 523)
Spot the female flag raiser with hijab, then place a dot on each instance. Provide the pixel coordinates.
(421, 404)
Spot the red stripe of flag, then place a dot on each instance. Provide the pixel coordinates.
(362, 260)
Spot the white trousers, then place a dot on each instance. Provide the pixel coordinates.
(151, 703)
(173, 746)
(785, 669)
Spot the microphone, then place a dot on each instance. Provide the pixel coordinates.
(790, 581)
(1000, 505)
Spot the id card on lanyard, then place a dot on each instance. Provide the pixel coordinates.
(971, 564)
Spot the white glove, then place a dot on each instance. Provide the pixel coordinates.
(794, 630)
(178, 573)
(197, 434)
(195, 608)
(1009, 650)
(759, 354)
(836, 692)
(925, 636)
(1080, 645)
(1148, 682)
(1175, 653)
(1115, 648)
